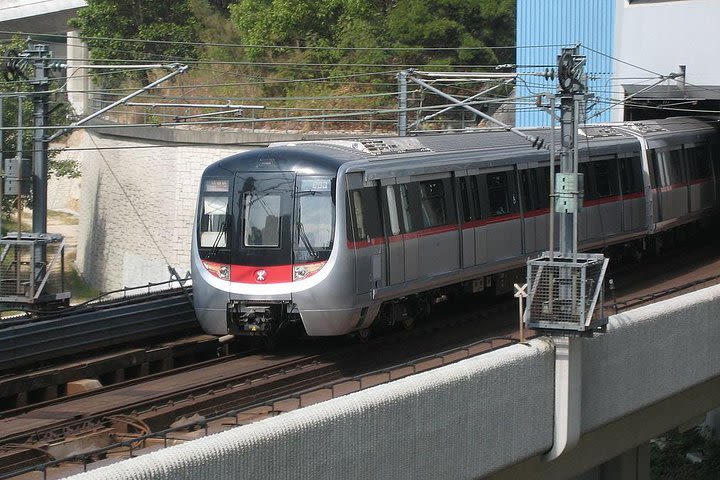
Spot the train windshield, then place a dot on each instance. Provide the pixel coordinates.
(213, 228)
(314, 219)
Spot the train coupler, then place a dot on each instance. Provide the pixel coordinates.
(248, 319)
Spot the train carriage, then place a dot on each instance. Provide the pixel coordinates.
(336, 235)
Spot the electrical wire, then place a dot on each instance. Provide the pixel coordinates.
(275, 47)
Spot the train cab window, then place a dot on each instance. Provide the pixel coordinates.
(213, 213)
(432, 203)
(501, 200)
(262, 219)
(630, 175)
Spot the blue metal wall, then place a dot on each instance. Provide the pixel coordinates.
(543, 28)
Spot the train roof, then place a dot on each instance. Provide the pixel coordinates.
(383, 157)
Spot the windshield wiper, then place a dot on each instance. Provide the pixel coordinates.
(305, 240)
(222, 231)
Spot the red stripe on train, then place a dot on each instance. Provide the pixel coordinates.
(261, 275)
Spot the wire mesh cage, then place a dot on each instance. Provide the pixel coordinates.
(564, 292)
(31, 267)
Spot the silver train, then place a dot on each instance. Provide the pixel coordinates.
(336, 235)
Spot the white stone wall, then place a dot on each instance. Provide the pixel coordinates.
(136, 207)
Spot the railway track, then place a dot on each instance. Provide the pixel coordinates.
(181, 404)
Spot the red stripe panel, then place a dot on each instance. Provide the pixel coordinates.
(488, 221)
(537, 213)
(630, 196)
(261, 275)
(698, 181)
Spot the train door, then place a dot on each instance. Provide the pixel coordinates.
(409, 222)
(671, 184)
(700, 178)
(602, 205)
(365, 237)
(264, 222)
(500, 231)
(438, 236)
(395, 243)
(632, 191)
(535, 202)
(469, 214)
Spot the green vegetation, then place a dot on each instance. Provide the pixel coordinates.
(669, 456)
(280, 48)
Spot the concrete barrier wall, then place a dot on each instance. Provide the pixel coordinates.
(459, 421)
(649, 354)
(465, 420)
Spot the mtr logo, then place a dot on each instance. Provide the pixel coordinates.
(260, 275)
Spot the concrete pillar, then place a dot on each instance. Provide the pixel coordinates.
(78, 82)
(712, 420)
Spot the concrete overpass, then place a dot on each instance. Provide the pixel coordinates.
(656, 368)
(38, 16)
(46, 21)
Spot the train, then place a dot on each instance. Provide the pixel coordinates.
(334, 237)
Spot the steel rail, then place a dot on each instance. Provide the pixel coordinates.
(116, 323)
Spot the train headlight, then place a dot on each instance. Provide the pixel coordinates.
(301, 272)
(217, 269)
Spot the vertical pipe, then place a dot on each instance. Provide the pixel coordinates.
(551, 241)
(402, 103)
(20, 133)
(40, 165)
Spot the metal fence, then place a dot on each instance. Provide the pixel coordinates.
(564, 292)
(31, 266)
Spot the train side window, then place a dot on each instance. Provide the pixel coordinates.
(630, 175)
(471, 198)
(366, 214)
(604, 178)
(675, 167)
(392, 210)
(405, 208)
(543, 187)
(432, 203)
(526, 191)
(533, 188)
(358, 216)
(498, 190)
(657, 175)
(589, 192)
(698, 162)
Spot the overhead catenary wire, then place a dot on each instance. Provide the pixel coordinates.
(289, 47)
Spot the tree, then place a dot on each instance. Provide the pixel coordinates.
(15, 83)
(139, 30)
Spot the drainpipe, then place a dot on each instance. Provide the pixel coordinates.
(568, 394)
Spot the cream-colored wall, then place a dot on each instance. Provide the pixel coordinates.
(661, 36)
(135, 202)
